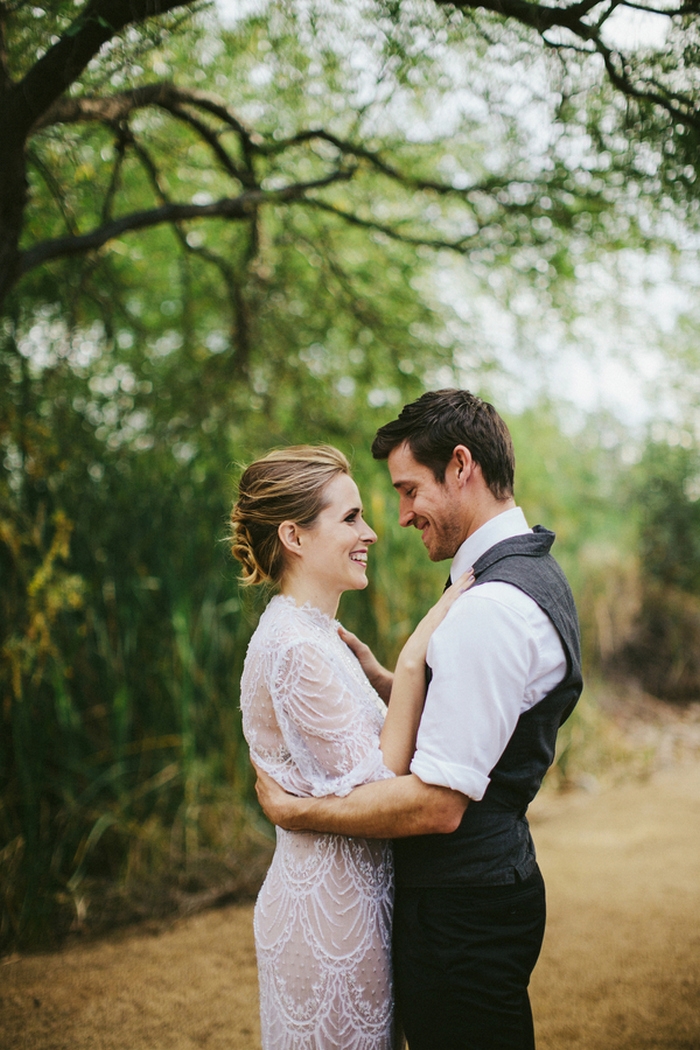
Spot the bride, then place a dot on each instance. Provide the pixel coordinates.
(316, 723)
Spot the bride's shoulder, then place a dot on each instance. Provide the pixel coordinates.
(281, 626)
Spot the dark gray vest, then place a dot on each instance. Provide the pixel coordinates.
(493, 842)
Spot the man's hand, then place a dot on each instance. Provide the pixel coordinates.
(379, 678)
(276, 803)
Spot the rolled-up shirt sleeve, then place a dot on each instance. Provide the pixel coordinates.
(494, 655)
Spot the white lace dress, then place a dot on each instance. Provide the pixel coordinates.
(323, 916)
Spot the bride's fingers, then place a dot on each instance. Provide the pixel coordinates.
(448, 598)
(461, 584)
(352, 641)
(452, 593)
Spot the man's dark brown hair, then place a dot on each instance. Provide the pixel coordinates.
(440, 420)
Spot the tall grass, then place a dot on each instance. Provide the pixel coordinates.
(124, 761)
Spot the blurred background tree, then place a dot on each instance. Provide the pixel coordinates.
(217, 238)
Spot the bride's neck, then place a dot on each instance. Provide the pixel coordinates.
(304, 589)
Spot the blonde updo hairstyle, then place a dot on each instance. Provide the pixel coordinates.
(287, 484)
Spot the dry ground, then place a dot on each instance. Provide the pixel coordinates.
(620, 968)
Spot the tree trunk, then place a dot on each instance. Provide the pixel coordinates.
(24, 103)
(13, 200)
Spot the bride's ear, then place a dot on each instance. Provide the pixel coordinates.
(289, 534)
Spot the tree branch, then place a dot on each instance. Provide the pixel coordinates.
(63, 63)
(353, 149)
(240, 322)
(5, 80)
(55, 190)
(176, 101)
(538, 16)
(229, 208)
(123, 137)
(542, 17)
(212, 140)
(240, 328)
(460, 245)
(112, 108)
(680, 109)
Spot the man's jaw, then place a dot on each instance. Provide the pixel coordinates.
(425, 530)
(434, 545)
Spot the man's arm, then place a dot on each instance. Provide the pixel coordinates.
(384, 809)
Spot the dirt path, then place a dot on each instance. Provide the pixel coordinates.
(620, 968)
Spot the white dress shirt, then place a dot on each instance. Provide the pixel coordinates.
(495, 655)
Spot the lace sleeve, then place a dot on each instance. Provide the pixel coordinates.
(332, 737)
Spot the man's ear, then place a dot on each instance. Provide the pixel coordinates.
(290, 536)
(462, 463)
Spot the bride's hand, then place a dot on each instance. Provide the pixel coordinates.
(378, 676)
(451, 594)
(416, 647)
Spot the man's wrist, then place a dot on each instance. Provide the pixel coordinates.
(295, 814)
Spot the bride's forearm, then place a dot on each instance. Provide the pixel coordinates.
(398, 736)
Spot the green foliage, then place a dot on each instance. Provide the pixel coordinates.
(136, 380)
(662, 644)
(667, 488)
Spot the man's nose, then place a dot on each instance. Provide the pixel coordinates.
(406, 515)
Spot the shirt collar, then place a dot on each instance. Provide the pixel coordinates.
(510, 523)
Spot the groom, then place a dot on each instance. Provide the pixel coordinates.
(505, 672)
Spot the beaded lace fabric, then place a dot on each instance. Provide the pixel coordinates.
(323, 916)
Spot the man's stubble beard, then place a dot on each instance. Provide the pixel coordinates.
(447, 539)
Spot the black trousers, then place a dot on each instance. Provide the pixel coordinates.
(462, 963)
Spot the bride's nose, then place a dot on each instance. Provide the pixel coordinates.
(369, 535)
